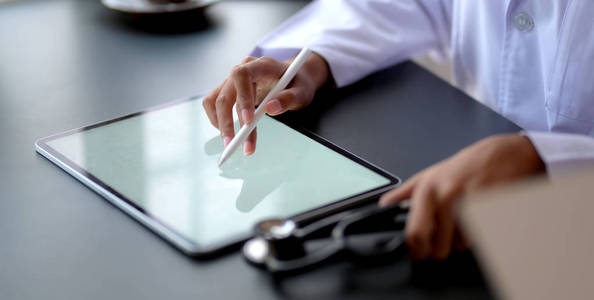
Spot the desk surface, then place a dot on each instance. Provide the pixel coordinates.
(64, 64)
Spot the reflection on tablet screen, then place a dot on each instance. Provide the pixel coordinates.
(165, 161)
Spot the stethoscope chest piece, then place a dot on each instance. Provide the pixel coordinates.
(275, 238)
(256, 251)
(279, 245)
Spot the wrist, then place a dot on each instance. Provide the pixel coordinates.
(317, 69)
(533, 159)
(518, 146)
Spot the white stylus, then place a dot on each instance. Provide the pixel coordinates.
(246, 129)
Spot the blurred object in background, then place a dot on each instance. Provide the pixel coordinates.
(162, 16)
(156, 6)
(535, 239)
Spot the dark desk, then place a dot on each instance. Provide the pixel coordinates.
(64, 64)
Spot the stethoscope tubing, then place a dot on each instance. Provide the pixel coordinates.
(338, 248)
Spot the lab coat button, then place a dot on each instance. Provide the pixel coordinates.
(524, 22)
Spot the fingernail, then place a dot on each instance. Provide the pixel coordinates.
(226, 140)
(274, 106)
(246, 116)
(248, 148)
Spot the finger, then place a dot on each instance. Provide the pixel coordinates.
(240, 118)
(444, 233)
(248, 59)
(289, 99)
(265, 66)
(242, 79)
(224, 107)
(255, 91)
(420, 223)
(209, 105)
(400, 193)
(249, 145)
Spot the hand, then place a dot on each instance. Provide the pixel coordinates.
(431, 230)
(248, 84)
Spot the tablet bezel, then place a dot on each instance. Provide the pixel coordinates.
(161, 228)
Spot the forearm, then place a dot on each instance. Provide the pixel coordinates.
(563, 152)
(358, 37)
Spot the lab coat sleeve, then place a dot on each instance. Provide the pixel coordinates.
(358, 37)
(563, 152)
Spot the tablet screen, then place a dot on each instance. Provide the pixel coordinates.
(164, 161)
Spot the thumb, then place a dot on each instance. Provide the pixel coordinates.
(289, 99)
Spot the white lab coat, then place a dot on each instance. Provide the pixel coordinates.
(530, 60)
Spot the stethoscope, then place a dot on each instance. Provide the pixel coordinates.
(370, 234)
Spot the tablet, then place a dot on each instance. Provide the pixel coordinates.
(160, 167)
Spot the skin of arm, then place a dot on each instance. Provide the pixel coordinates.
(431, 230)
